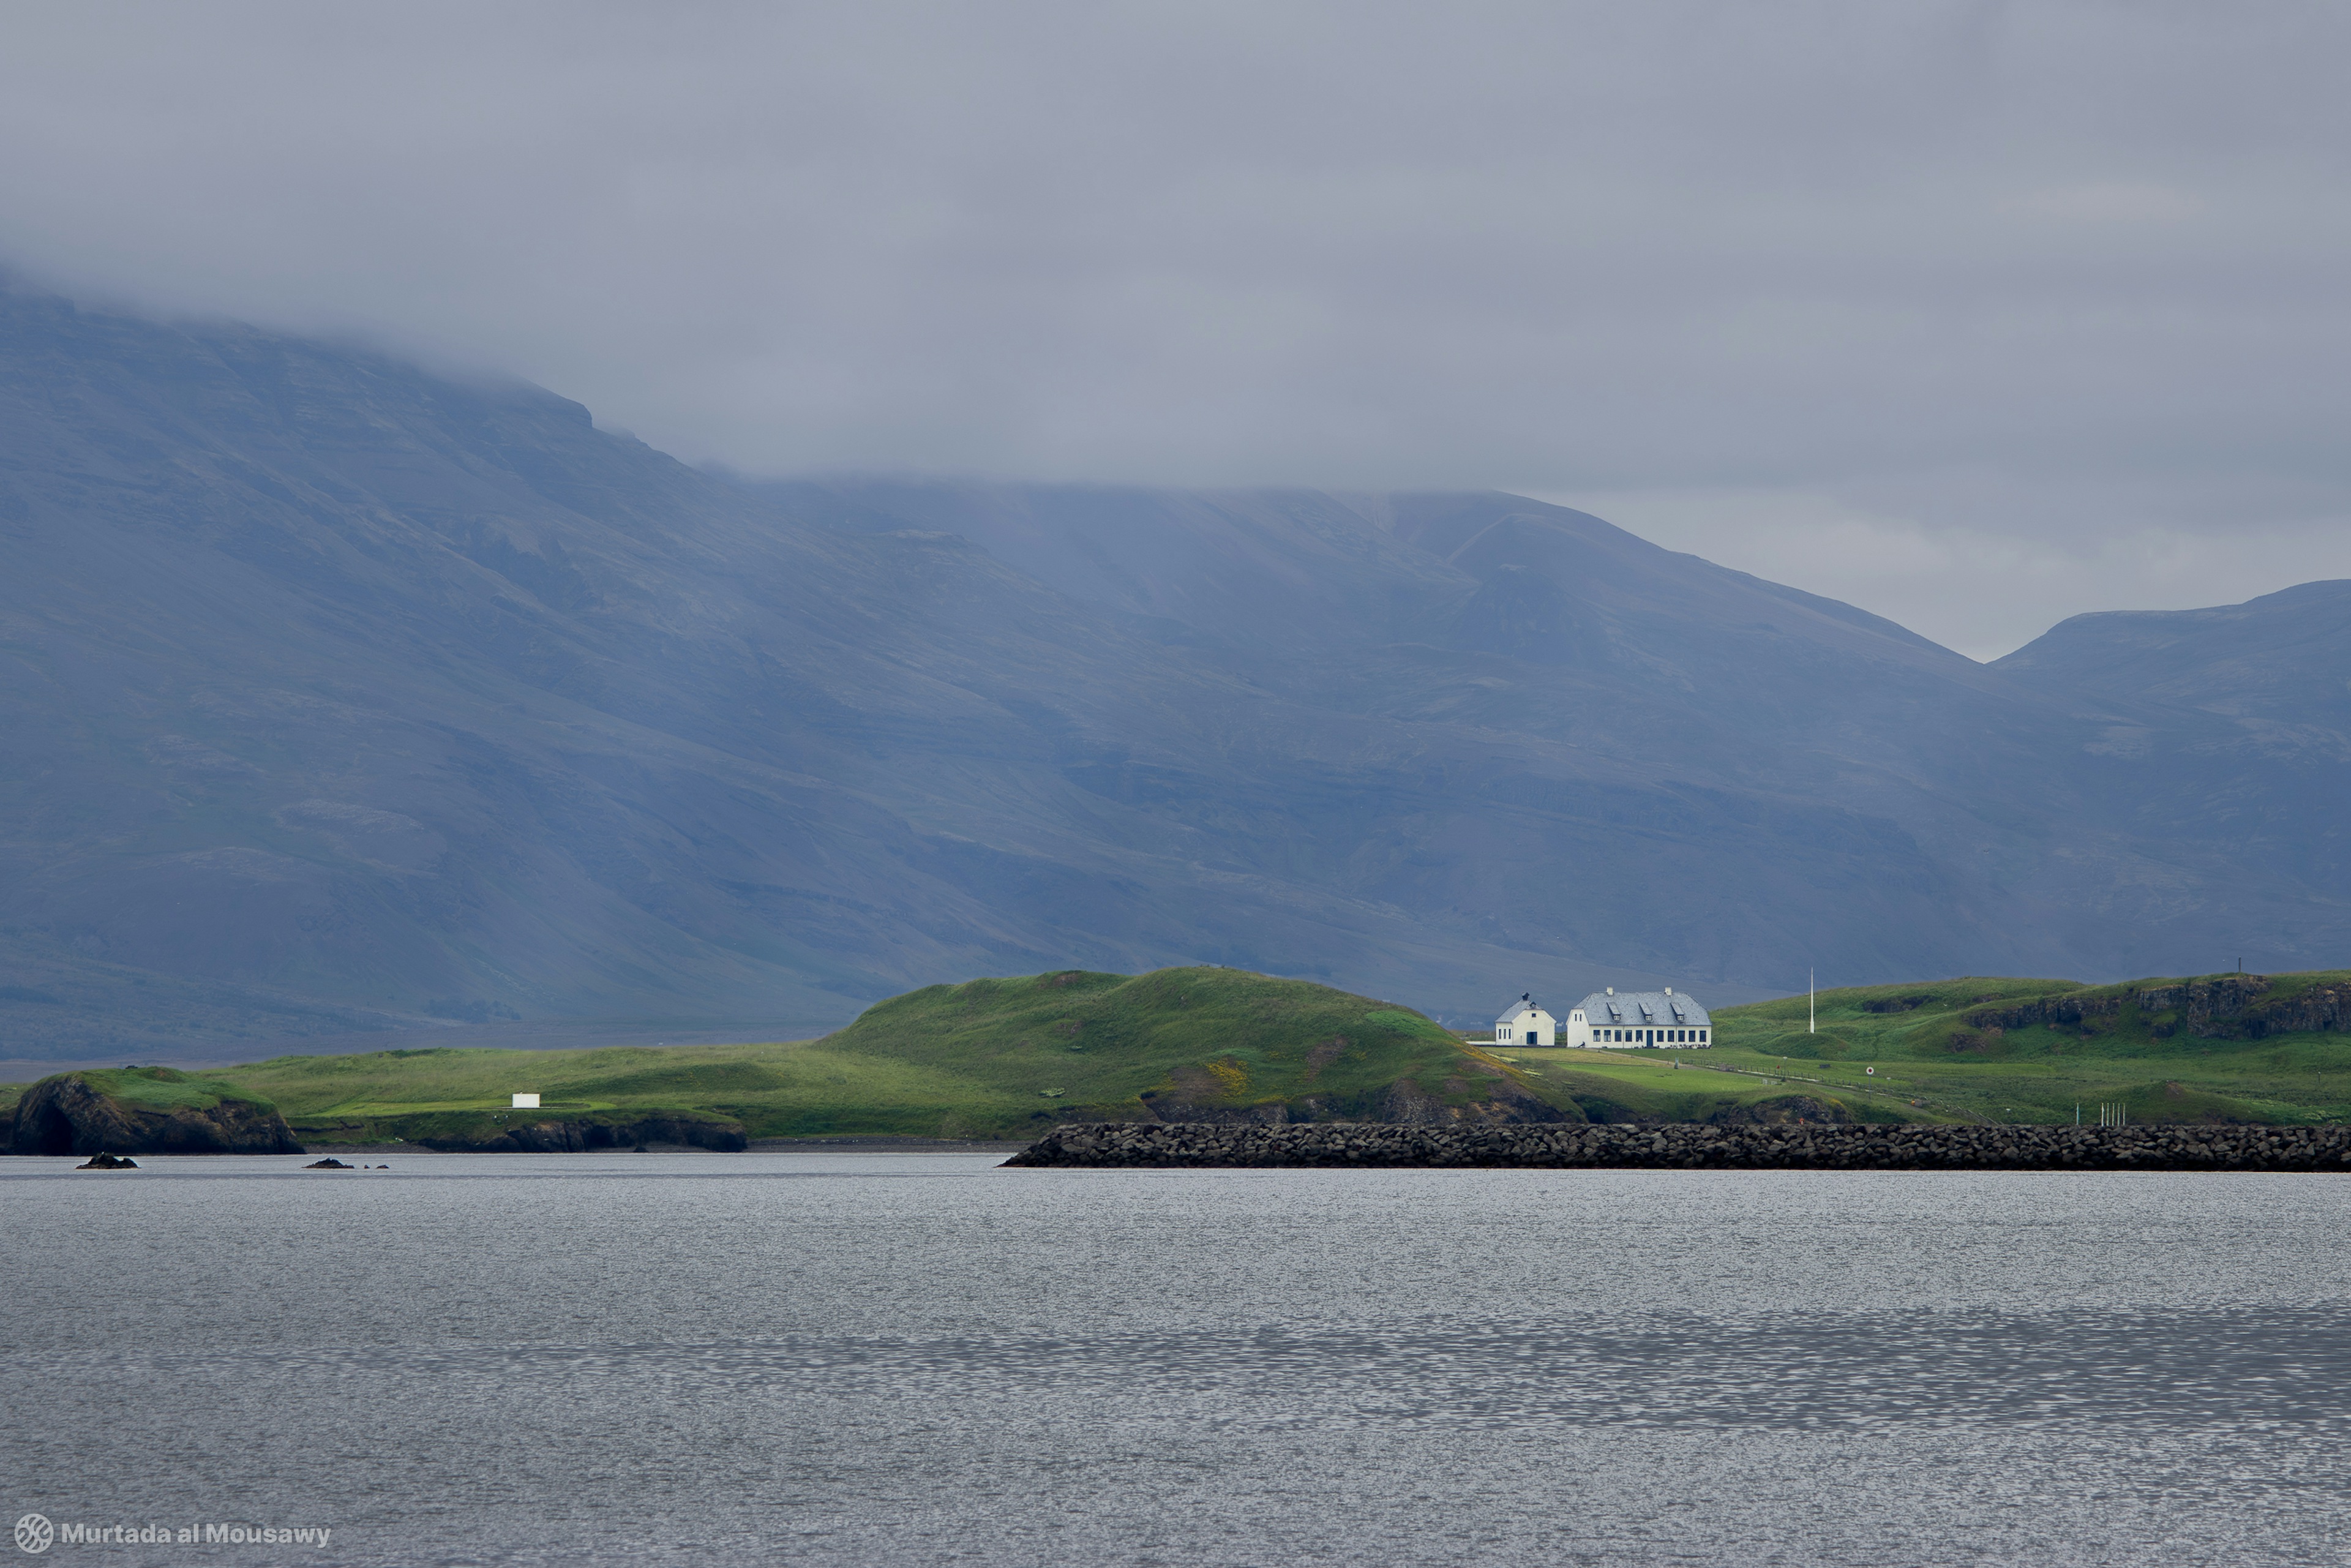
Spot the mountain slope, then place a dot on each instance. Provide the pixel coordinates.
(350, 688)
(2221, 739)
(1659, 724)
(342, 694)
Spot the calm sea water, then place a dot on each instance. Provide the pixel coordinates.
(917, 1358)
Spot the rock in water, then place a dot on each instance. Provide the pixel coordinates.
(81, 1113)
(329, 1164)
(106, 1162)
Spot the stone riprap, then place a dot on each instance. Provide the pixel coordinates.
(1693, 1145)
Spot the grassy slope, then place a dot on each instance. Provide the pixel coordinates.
(995, 1056)
(2031, 1074)
(1687, 1086)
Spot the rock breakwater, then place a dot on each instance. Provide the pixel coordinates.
(1696, 1146)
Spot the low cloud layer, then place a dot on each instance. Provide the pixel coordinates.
(1977, 314)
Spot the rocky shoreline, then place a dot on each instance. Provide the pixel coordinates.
(1695, 1146)
(589, 1134)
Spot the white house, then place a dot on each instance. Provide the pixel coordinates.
(1523, 1023)
(1636, 1019)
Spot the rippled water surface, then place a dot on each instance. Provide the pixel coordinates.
(917, 1358)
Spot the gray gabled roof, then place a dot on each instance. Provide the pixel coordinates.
(1638, 1009)
(1524, 1004)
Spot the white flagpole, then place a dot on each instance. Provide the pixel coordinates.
(1811, 1015)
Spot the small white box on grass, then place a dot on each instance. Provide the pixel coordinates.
(525, 1103)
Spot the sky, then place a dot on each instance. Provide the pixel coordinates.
(1976, 315)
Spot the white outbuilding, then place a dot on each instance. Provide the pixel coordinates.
(525, 1103)
(1523, 1023)
(1638, 1018)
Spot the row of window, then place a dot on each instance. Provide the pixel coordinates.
(1632, 1036)
(1662, 1036)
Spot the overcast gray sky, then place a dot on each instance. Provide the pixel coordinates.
(1975, 314)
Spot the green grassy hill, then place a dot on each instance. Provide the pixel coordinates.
(149, 1088)
(2221, 1048)
(992, 1058)
(167, 1088)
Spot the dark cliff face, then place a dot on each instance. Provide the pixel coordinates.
(65, 1115)
(342, 694)
(605, 1130)
(2230, 1007)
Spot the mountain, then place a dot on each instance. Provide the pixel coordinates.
(1682, 768)
(2220, 741)
(346, 695)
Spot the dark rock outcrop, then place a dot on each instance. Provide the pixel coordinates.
(1692, 1146)
(2232, 1007)
(67, 1114)
(329, 1164)
(1404, 1102)
(1783, 1110)
(105, 1162)
(556, 1135)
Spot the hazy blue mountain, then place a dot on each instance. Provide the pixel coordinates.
(2219, 741)
(1632, 752)
(344, 695)
(2284, 658)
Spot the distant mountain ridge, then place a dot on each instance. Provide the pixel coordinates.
(344, 695)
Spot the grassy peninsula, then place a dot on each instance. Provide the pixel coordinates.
(990, 1058)
(1012, 1058)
